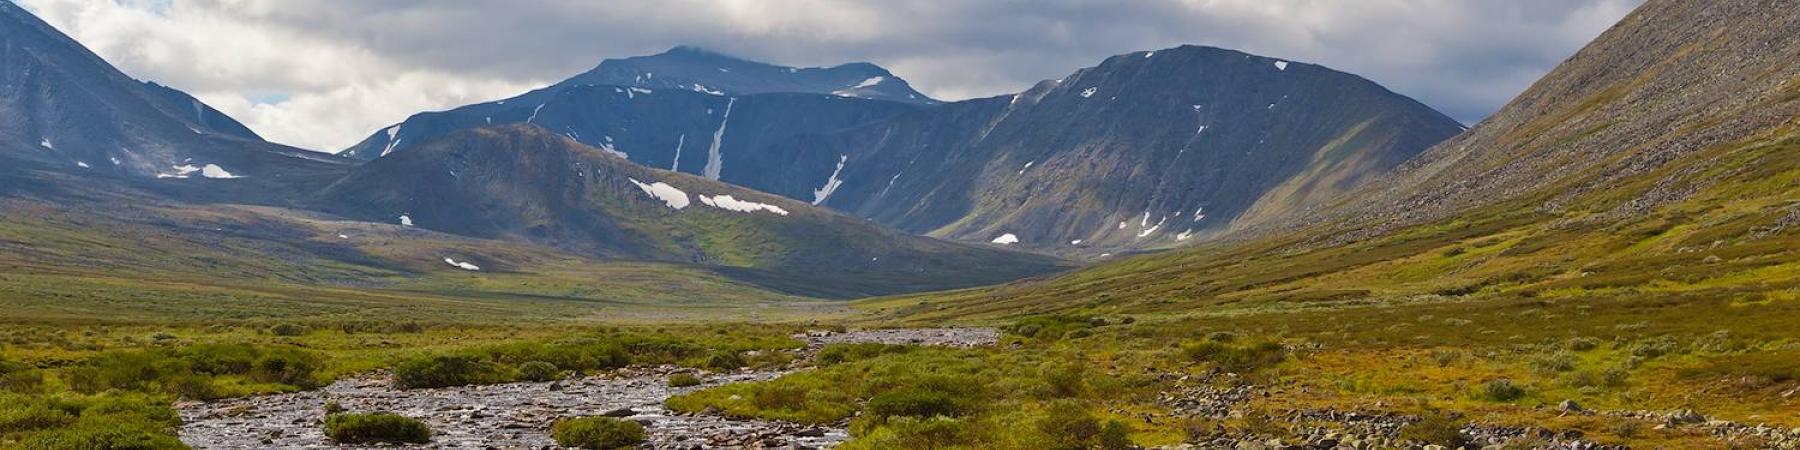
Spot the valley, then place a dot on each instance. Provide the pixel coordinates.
(1190, 247)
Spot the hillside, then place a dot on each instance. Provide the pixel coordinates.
(71, 112)
(1660, 162)
(524, 183)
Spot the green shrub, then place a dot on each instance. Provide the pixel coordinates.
(780, 397)
(916, 433)
(1068, 425)
(1559, 362)
(915, 402)
(123, 437)
(842, 353)
(376, 428)
(724, 360)
(1502, 390)
(1436, 428)
(194, 387)
(21, 418)
(288, 366)
(22, 382)
(1446, 357)
(444, 371)
(287, 329)
(1053, 327)
(597, 433)
(1236, 358)
(682, 380)
(1066, 381)
(1582, 344)
(539, 371)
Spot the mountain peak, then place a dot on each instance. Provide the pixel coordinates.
(689, 67)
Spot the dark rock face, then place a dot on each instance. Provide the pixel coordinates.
(68, 111)
(1147, 149)
(522, 182)
(651, 105)
(670, 129)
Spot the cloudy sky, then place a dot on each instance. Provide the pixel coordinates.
(323, 74)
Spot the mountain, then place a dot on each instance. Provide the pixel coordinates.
(68, 111)
(700, 70)
(1144, 150)
(174, 100)
(521, 182)
(1655, 168)
(652, 107)
(1641, 102)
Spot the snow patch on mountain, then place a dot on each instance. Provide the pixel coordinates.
(729, 203)
(215, 172)
(393, 133)
(464, 265)
(669, 195)
(831, 184)
(702, 89)
(715, 161)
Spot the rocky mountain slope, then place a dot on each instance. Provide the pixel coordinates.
(68, 111)
(695, 69)
(1660, 164)
(1147, 149)
(687, 104)
(524, 183)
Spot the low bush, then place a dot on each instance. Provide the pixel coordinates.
(842, 353)
(723, 360)
(597, 433)
(915, 402)
(376, 428)
(1582, 344)
(444, 371)
(682, 380)
(287, 329)
(539, 371)
(1054, 327)
(1502, 390)
(1070, 426)
(1436, 428)
(1235, 358)
(1553, 363)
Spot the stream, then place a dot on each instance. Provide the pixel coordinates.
(518, 415)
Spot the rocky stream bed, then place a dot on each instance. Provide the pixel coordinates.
(518, 415)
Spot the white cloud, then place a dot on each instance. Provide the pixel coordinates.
(332, 71)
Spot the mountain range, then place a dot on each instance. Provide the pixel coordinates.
(833, 182)
(1146, 150)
